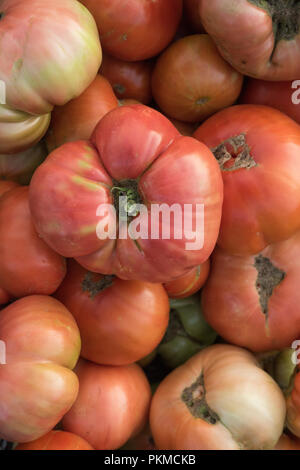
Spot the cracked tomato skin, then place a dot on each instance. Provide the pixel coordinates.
(261, 203)
(135, 29)
(47, 61)
(139, 144)
(231, 301)
(37, 384)
(244, 35)
(248, 405)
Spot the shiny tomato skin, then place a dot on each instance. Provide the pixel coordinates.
(245, 32)
(112, 405)
(120, 324)
(21, 166)
(255, 198)
(27, 265)
(242, 417)
(134, 143)
(191, 81)
(56, 440)
(278, 95)
(45, 61)
(77, 119)
(128, 79)
(233, 302)
(37, 385)
(189, 283)
(136, 29)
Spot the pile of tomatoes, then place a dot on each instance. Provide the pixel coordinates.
(110, 339)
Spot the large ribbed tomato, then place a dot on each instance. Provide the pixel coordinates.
(37, 385)
(260, 38)
(120, 321)
(138, 154)
(257, 148)
(49, 52)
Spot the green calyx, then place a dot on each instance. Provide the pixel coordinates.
(95, 287)
(126, 197)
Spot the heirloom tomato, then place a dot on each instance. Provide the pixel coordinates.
(50, 52)
(112, 405)
(260, 38)
(188, 284)
(171, 184)
(120, 321)
(257, 148)
(57, 440)
(220, 399)
(37, 385)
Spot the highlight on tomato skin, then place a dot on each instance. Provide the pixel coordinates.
(56, 440)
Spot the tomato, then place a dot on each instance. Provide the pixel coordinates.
(135, 29)
(4, 296)
(21, 166)
(43, 61)
(128, 101)
(27, 264)
(20, 131)
(143, 158)
(258, 38)
(189, 283)
(120, 321)
(191, 81)
(219, 400)
(77, 119)
(112, 405)
(142, 441)
(246, 298)
(187, 333)
(293, 406)
(279, 95)
(287, 442)
(191, 11)
(57, 440)
(128, 79)
(185, 128)
(37, 385)
(258, 151)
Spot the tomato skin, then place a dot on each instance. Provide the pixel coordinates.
(57, 440)
(19, 131)
(6, 186)
(121, 324)
(244, 34)
(293, 407)
(77, 119)
(41, 78)
(231, 302)
(121, 410)
(275, 94)
(185, 128)
(128, 79)
(21, 166)
(247, 416)
(189, 283)
(253, 221)
(129, 139)
(191, 81)
(27, 264)
(135, 30)
(37, 385)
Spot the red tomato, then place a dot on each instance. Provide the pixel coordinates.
(50, 52)
(220, 399)
(144, 157)
(258, 151)
(278, 95)
(20, 131)
(4, 296)
(27, 264)
(135, 29)
(120, 321)
(112, 405)
(21, 166)
(191, 81)
(246, 298)
(57, 440)
(77, 119)
(37, 385)
(189, 283)
(259, 38)
(128, 79)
